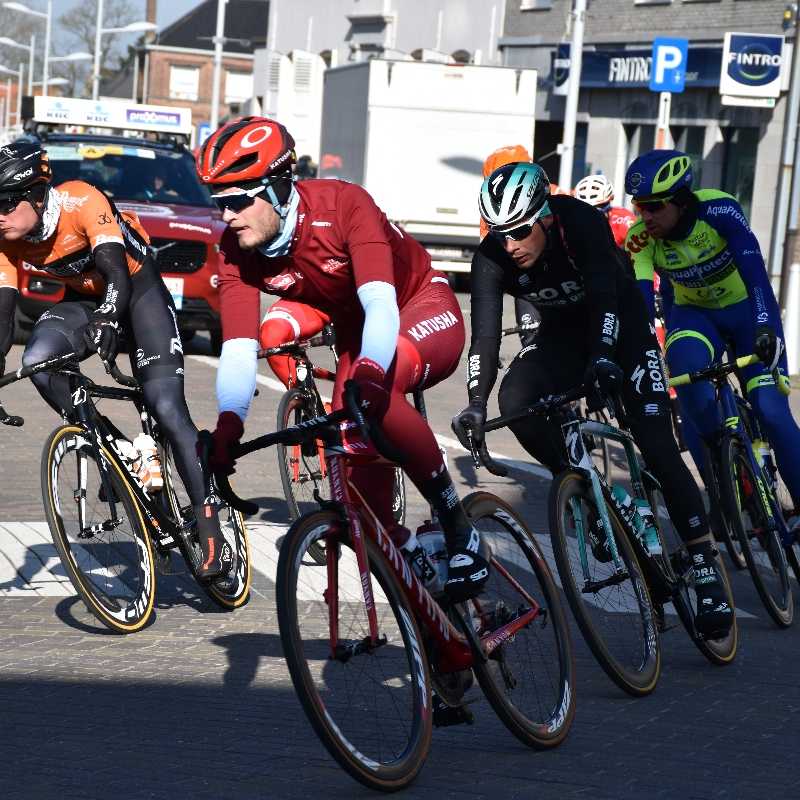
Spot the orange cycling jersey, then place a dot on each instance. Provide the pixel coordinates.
(87, 219)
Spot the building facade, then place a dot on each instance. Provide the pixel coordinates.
(734, 148)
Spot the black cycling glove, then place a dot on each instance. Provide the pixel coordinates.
(472, 418)
(604, 375)
(102, 336)
(768, 347)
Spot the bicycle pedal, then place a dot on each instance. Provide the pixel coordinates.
(164, 563)
(444, 716)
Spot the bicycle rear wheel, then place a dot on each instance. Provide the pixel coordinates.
(720, 525)
(301, 467)
(679, 566)
(743, 496)
(370, 705)
(108, 558)
(613, 610)
(530, 679)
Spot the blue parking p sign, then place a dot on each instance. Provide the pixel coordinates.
(668, 68)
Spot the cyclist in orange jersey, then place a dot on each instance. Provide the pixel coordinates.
(73, 231)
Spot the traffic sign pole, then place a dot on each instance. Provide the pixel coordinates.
(662, 133)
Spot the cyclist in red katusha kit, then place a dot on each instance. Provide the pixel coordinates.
(398, 324)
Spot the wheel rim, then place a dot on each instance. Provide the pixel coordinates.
(114, 566)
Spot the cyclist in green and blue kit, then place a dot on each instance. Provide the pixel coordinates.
(716, 296)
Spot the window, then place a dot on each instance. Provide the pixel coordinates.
(238, 86)
(184, 83)
(739, 164)
(652, 2)
(639, 139)
(535, 5)
(690, 140)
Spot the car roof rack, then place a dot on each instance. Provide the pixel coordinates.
(49, 117)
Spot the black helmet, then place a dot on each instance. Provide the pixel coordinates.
(23, 165)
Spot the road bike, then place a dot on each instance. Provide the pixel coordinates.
(616, 587)
(302, 468)
(111, 533)
(376, 658)
(744, 487)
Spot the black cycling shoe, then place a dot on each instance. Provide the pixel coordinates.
(714, 617)
(217, 554)
(468, 568)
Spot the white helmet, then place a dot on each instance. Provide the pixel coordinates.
(596, 190)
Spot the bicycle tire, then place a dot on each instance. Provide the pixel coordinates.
(113, 571)
(228, 592)
(763, 551)
(719, 520)
(292, 409)
(396, 752)
(678, 565)
(639, 673)
(501, 677)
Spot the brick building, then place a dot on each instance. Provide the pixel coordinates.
(177, 67)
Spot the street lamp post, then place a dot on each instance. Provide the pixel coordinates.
(47, 16)
(31, 48)
(134, 27)
(20, 77)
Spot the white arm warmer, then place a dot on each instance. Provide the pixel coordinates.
(236, 376)
(381, 322)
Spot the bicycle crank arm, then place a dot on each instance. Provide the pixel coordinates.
(344, 652)
(592, 587)
(103, 527)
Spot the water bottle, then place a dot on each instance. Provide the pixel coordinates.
(761, 451)
(625, 504)
(648, 532)
(427, 552)
(148, 465)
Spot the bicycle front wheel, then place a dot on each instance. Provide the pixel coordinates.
(612, 608)
(530, 679)
(368, 701)
(745, 503)
(108, 556)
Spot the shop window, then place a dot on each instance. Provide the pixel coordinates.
(690, 140)
(238, 86)
(184, 83)
(740, 146)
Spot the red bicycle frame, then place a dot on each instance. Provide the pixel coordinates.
(453, 650)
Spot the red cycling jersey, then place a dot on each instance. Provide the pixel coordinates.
(620, 220)
(342, 241)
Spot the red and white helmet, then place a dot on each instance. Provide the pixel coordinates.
(596, 190)
(251, 150)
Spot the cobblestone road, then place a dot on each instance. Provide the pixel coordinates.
(199, 705)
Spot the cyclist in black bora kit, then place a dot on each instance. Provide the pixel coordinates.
(559, 253)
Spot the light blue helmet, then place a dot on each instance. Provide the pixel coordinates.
(513, 195)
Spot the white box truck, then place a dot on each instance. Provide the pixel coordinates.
(415, 135)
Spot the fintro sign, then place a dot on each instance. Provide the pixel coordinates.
(751, 65)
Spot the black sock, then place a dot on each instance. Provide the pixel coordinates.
(441, 494)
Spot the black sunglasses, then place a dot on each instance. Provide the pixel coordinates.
(9, 204)
(517, 234)
(237, 202)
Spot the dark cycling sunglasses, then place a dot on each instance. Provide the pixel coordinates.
(517, 234)
(237, 201)
(651, 205)
(9, 204)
